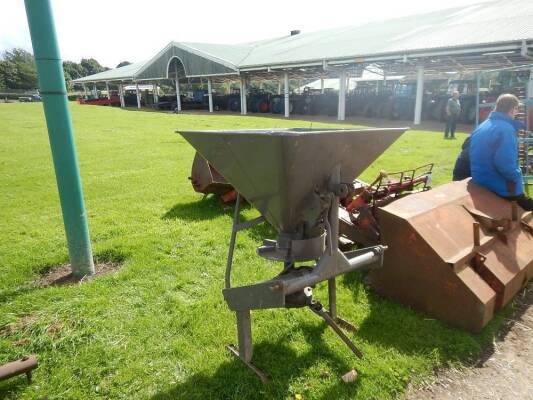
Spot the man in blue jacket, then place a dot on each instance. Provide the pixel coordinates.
(494, 153)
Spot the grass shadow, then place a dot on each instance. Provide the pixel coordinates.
(12, 386)
(262, 231)
(208, 207)
(393, 325)
(233, 380)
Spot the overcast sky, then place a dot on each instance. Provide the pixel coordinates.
(135, 30)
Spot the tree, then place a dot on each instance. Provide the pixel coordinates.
(17, 69)
(72, 71)
(123, 64)
(91, 66)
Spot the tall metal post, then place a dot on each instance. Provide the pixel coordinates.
(529, 96)
(210, 94)
(419, 94)
(95, 91)
(107, 89)
(60, 133)
(286, 95)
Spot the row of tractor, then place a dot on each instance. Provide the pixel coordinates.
(393, 100)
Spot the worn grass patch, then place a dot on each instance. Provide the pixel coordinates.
(156, 329)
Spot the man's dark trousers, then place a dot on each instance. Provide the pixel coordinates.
(451, 122)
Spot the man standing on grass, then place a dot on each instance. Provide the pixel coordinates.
(453, 109)
(494, 153)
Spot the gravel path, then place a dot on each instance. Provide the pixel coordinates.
(505, 372)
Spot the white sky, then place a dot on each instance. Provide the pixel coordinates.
(135, 30)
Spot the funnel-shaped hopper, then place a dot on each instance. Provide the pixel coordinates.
(278, 170)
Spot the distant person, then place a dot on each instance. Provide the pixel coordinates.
(453, 109)
(462, 164)
(494, 153)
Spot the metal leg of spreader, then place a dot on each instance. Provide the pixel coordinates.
(244, 323)
(332, 292)
(245, 350)
(319, 309)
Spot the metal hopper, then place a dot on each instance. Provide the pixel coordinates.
(276, 170)
(294, 177)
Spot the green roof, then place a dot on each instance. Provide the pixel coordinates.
(475, 28)
(125, 73)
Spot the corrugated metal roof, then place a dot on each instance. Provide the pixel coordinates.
(194, 62)
(126, 73)
(470, 27)
(226, 53)
(481, 24)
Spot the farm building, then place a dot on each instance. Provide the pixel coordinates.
(424, 49)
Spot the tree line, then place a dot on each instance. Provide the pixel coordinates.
(17, 69)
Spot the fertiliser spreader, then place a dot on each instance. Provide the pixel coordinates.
(457, 252)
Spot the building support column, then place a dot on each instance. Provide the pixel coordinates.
(419, 94)
(322, 85)
(279, 87)
(138, 95)
(243, 96)
(177, 82)
(530, 85)
(84, 90)
(286, 95)
(210, 94)
(529, 109)
(341, 109)
(121, 94)
(156, 95)
(95, 91)
(478, 83)
(107, 88)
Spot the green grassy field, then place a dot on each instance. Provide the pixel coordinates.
(157, 328)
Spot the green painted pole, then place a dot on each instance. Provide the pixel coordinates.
(60, 133)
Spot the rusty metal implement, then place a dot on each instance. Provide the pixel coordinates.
(457, 252)
(23, 366)
(205, 179)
